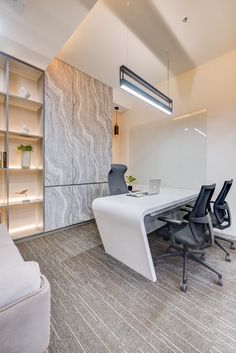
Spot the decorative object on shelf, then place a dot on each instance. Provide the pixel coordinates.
(25, 155)
(24, 129)
(23, 92)
(25, 193)
(130, 179)
(116, 126)
(4, 159)
(147, 92)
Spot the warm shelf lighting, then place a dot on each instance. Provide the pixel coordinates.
(163, 102)
(25, 200)
(22, 229)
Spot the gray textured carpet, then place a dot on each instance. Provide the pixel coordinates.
(100, 306)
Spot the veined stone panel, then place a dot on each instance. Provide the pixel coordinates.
(67, 205)
(83, 199)
(59, 128)
(78, 127)
(58, 207)
(92, 129)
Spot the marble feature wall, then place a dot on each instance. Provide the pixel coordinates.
(78, 142)
(58, 123)
(67, 205)
(92, 129)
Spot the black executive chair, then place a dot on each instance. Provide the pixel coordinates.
(221, 216)
(193, 234)
(116, 179)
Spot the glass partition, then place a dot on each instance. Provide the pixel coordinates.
(173, 149)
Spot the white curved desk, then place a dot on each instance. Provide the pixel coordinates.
(120, 221)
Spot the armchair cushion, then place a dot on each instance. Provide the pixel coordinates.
(10, 257)
(17, 281)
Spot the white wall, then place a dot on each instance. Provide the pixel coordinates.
(211, 86)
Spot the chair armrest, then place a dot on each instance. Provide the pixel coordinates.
(25, 324)
(190, 206)
(186, 208)
(222, 207)
(170, 220)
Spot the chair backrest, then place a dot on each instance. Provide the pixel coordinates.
(218, 208)
(199, 221)
(116, 179)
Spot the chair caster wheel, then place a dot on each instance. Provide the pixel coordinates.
(219, 281)
(232, 247)
(184, 287)
(227, 258)
(203, 258)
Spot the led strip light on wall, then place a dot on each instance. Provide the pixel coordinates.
(163, 102)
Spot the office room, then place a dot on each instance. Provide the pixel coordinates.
(117, 176)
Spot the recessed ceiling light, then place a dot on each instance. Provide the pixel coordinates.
(185, 19)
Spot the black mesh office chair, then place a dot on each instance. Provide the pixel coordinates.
(221, 216)
(193, 234)
(116, 179)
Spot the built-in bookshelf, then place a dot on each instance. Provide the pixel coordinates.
(21, 123)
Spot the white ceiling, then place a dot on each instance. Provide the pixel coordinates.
(36, 32)
(98, 39)
(138, 33)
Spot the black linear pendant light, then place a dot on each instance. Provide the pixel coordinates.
(116, 126)
(134, 84)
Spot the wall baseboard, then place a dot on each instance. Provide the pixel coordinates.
(44, 234)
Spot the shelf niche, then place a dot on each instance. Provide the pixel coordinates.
(15, 154)
(22, 75)
(20, 225)
(20, 117)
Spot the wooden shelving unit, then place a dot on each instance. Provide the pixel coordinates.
(22, 214)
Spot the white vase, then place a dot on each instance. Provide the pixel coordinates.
(25, 159)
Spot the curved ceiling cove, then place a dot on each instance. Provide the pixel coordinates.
(34, 31)
(139, 33)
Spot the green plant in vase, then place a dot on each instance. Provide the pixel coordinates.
(25, 155)
(130, 179)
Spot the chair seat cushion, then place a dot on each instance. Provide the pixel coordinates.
(185, 236)
(18, 281)
(165, 233)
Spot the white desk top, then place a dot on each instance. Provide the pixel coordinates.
(141, 206)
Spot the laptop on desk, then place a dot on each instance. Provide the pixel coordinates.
(154, 186)
(153, 189)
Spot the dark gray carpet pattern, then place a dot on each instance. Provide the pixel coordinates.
(100, 306)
